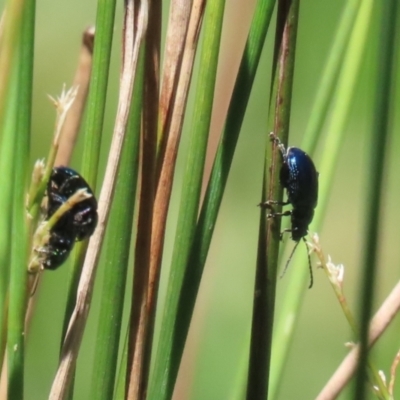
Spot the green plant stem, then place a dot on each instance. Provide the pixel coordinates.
(7, 158)
(230, 135)
(96, 103)
(117, 247)
(171, 343)
(94, 126)
(18, 282)
(19, 248)
(226, 149)
(376, 161)
(268, 246)
(8, 48)
(120, 385)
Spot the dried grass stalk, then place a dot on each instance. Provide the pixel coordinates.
(378, 325)
(72, 124)
(164, 187)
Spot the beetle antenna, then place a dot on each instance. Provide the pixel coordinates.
(288, 261)
(309, 265)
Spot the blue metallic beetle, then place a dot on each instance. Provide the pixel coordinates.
(76, 224)
(300, 179)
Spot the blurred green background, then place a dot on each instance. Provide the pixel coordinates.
(218, 340)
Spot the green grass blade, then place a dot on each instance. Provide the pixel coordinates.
(268, 245)
(117, 254)
(225, 152)
(96, 103)
(170, 347)
(98, 89)
(19, 248)
(18, 280)
(94, 123)
(121, 378)
(12, 21)
(380, 132)
(7, 158)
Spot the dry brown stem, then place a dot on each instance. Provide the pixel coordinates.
(164, 186)
(174, 47)
(72, 123)
(378, 325)
(139, 333)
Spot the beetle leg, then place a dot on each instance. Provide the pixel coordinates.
(283, 232)
(281, 214)
(270, 203)
(280, 145)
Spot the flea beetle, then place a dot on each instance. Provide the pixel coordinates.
(76, 224)
(300, 179)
